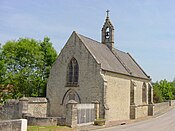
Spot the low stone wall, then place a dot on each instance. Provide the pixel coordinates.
(10, 110)
(13, 125)
(45, 121)
(16, 109)
(160, 107)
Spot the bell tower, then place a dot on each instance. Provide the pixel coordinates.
(108, 33)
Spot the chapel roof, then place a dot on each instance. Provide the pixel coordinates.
(115, 61)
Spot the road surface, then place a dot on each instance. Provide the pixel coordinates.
(165, 122)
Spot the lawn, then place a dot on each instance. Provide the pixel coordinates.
(48, 128)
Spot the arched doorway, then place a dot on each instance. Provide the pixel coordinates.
(70, 95)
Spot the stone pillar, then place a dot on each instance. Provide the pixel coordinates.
(133, 107)
(152, 95)
(151, 110)
(96, 109)
(132, 93)
(23, 106)
(133, 112)
(71, 114)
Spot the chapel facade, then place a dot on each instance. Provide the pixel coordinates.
(87, 71)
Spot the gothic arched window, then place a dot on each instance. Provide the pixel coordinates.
(72, 73)
(144, 93)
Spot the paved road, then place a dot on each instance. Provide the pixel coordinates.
(165, 122)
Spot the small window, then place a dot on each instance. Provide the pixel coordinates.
(72, 74)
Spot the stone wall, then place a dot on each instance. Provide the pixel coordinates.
(142, 111)
(13, 125)
(10, 110)
(123, 96)
(15, 109)
(161, 107)
(37, 106)
(117, 97)
(45, 121)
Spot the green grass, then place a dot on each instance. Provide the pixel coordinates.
(48, 128)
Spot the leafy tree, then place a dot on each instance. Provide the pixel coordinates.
(166, 89)
(163, 91)
(49, 56)
(27, 63)
(173, 87)
(157, 93)
(2, 67)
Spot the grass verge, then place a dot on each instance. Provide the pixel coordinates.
(48, 128)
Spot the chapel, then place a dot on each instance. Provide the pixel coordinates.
(87, 70)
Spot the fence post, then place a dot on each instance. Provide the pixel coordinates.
(96, 109)
(71, 114)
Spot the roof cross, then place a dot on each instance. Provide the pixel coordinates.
(107, 13)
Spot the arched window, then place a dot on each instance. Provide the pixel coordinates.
(72, 73)
(144, 93)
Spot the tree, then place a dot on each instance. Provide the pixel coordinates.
(163, 91)
(157, 93)
(2, 67)
(49, 56)
(27, 63)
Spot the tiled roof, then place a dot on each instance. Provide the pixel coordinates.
(116, 61)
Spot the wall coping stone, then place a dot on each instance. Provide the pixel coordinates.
(72, 102)
(37, 100)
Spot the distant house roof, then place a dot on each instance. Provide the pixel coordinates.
(116, 61)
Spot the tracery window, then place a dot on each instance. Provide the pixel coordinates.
(72, 73)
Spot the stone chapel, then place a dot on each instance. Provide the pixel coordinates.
(87, 70)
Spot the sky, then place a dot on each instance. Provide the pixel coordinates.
(144, 28)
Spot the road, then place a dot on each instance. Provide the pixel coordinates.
(165, 122)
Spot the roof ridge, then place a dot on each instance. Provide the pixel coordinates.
(89, 38)
(120, 50)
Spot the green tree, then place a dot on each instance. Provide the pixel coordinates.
(2, 67)
(26, 67)
(157, 93)
(166, 89)
(49, 56)
(163, 91)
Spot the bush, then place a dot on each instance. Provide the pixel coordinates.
(99, 122)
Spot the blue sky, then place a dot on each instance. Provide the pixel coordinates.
(144, 28)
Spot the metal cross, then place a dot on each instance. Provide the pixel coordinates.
(107, 13)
